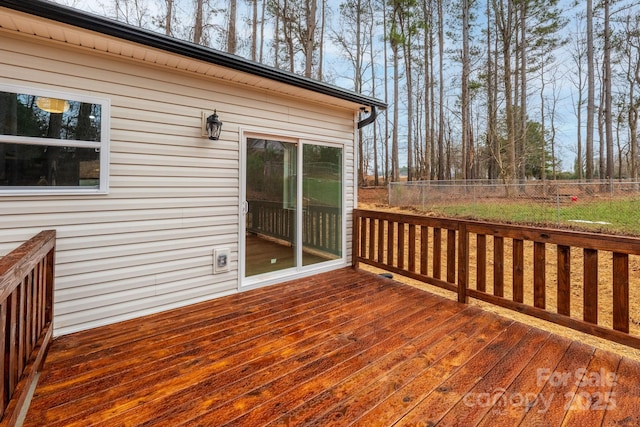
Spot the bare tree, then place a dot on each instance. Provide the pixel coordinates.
(394, 41)
(262, 18)
(254, 29)
(198, 24)
(387, 165)
(504, 14)
(168, 18)
(591, 82)
(376, 165)
(441, 54)
(231, 27)
(578, 53)
(491, 83)
(310, 35)
(608, 118)
(467, 142)
(323, 22)
(352, 38)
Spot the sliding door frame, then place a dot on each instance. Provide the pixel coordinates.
(244, 282)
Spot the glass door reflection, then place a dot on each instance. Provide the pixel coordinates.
(271, 190)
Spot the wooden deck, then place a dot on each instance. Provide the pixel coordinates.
(342, 348)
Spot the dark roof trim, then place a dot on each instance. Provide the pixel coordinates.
(145, 37)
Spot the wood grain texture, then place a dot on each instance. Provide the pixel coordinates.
(564, 280)
(539, 275)
(621, 292)
(437, 253)
(424, 249)
(498, 266)
(518, 270)
(590, 297)
(340, 348)
(481, 263)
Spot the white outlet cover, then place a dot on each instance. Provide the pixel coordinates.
(221, 260)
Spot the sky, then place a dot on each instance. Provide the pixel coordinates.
(564, 90)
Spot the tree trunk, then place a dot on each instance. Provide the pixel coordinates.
(197, 27)
(168, 20)
(254, 31)
(467, 144)
(492, 168)
(395, 164)
(262, 14)
(321, 42)
(543, 156)
(312, 8)
(386, 95)
(441, 53)
(376, 178)
(434, 163)
(601, 136)
(410, 98)
(504, 20)
(523, 89)
(231, 27)
(608, 116)
(426, 12)
(590, 93)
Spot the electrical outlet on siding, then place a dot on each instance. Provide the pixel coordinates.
(220, 260)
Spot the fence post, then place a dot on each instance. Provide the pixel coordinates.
(463, 263)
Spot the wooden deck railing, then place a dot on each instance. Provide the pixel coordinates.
(321, 225)
(555, 275)
(26, 313)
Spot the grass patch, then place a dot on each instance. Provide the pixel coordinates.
(617, 216)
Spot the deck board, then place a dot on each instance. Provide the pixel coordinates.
(341, 348)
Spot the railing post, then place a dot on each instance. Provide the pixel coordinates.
(355, 239)
(463, 263)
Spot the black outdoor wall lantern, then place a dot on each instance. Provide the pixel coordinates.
(214, 126)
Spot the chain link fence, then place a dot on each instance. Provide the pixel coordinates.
(610, 205)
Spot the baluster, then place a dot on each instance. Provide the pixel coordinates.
(451, 256)
(481, 262)
(424, 249)
(590, 310)
(401, 242)
(539, 275)
(518, 270)
(621, 292)
(498, 266)
(372, 239)
(391, 225)
(437, 252)
(564, 280)
(380, 240)
(412, 248)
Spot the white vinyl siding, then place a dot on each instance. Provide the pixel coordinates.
(173, 194)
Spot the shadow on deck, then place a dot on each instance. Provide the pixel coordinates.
(345, 347)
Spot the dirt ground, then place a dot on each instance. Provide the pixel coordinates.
(376, 198)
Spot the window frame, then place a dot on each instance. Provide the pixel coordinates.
(103, 145)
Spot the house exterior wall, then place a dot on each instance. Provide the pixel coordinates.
(146, 246)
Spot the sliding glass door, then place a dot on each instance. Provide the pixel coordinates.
(321, 203)
(293, 206)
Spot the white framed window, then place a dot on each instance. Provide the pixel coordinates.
(53, 142)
